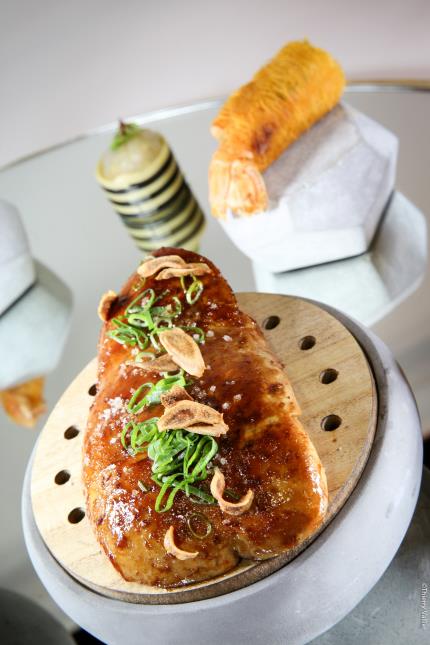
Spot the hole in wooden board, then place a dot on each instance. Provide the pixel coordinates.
(71, 432)
(271, 322)
(76, 515)
(62, 477)
(331, 422)
(328, 376)
(307, 342)
(93, 390)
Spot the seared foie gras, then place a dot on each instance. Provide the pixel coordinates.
(247, 435)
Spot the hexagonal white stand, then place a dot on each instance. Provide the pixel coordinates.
(369, 286)
(33, 331)
(35, 307)
(17, 271)
(327, 193)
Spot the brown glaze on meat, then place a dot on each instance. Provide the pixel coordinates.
(265, 449)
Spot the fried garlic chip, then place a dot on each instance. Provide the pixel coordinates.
(170, 546)
(193, 268)
(231, 508)
(194, 417)
(150, 266)
(162, 363)
(176, 394)
(183, 350)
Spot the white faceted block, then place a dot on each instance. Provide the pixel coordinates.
(371, 285)
(34, 329)
(17, 271)
(35, 307)
(326, 193)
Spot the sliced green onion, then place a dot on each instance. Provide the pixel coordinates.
(179, 460)
(161, 295)
(125, 334)
(142, 486)
(167, 311)
(154, 342)
(204, 499)
(174, 454)
(199, 518)
(135, 437)
(134, 406)
(228, 493)
(196, 330)
(194, 291)
(167, 324)
(124, 434)
(137, 402)
(132, 308)
(142, 319)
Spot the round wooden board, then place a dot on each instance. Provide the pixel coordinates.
(343, 451)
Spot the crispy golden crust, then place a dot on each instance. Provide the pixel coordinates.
(262, 118)
(265, 450)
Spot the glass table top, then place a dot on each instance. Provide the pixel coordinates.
(74, 231)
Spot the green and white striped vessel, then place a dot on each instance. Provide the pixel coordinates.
(146, 187)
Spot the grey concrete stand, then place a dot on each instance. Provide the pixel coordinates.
(313, 592)
(397, 609)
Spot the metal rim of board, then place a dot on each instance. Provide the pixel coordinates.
(243, 575)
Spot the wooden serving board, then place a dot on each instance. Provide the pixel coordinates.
(335, 389)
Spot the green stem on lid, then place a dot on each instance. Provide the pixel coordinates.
(125, 132)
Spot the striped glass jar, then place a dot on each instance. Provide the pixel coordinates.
(145, 185)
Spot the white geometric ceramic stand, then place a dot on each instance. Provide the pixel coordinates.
(35, 307)
(33, 331)
(327, 192)
(312, 592)
(369, 286)
(17, 272)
